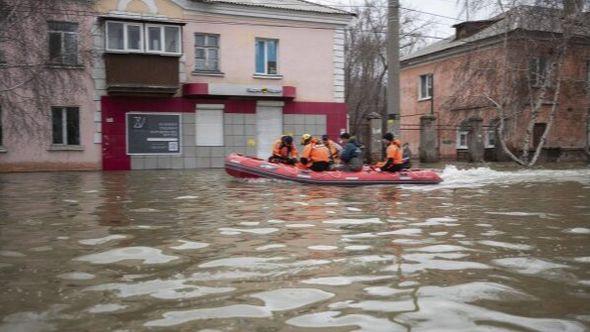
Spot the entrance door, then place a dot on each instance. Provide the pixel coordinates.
(538, 131)
(269, 127)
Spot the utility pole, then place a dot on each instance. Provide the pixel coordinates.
(391, 122)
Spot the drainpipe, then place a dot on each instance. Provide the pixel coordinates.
(432, 114)
(432, 95)
(588, 134)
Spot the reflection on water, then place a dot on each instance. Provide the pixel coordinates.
(192, 250)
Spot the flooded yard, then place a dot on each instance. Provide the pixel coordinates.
(198, 250)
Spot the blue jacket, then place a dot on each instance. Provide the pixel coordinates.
(351, 150)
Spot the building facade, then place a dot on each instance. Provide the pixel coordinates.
(450, 80)
(47, 103)
(179, 84)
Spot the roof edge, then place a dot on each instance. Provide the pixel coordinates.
(232, 9)
(491, 20)
(344, 12)
(231, 3)
(449, 52)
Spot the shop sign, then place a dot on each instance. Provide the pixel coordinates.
(153, 133)
(265, 90)
(227, 89)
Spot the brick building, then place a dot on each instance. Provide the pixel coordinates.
(450, 79)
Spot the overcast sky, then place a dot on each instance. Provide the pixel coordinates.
(441, 27)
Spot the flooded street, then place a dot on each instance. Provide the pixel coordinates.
(192, 250)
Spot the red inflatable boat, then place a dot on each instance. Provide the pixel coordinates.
(249, 167)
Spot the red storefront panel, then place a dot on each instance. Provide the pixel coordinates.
(114, 154)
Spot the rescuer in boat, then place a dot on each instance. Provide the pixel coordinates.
(284, 151)
(351, 155)
(407, 155)
(334, 149)
(315, 155)
(395, 160)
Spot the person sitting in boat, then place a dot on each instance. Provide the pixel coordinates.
(284, 151)
(407, 155)
(315, 155)
(334, 149)
(394, 161)
(352, 154)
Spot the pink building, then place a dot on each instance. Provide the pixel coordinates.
(47, 101)
(179, 84)
(245, 74)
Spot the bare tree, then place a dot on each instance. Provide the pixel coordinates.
(366, 62)
(588, 120)
(468, 8)
(43, 54)
(529, 75)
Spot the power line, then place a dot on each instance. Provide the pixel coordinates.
(432, 14)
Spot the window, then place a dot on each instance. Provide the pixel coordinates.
(1, 130)
(425, 87)
(63, 43)
(462, 139)
(538, 131)
(2, 56)
(154, 37)
(206, 52)
(163, 38)
(209, 124)
(538, 71)
(122, 36)
(172, 39)
(66, 125)
(490, 139)
(130, 36)
(266, 56)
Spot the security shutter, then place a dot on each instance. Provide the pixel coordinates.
(209, 128)
(269, 127)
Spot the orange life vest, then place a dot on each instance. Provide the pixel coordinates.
(316, 152)
(394, 151)
(284, 151)
(334, 153)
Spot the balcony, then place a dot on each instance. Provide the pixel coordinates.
(141, 74)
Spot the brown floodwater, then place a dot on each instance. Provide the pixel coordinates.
(197, 250)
